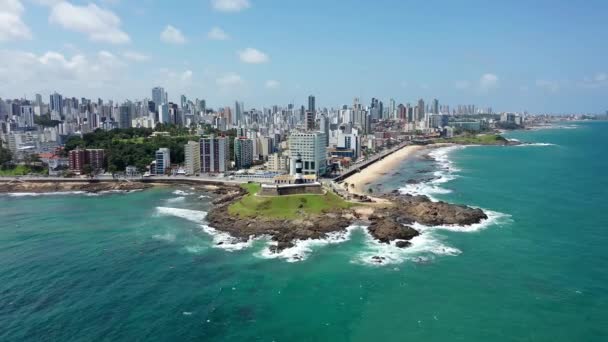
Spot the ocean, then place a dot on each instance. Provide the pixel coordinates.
(142, 266)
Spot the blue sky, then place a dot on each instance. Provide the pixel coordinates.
(541, 56)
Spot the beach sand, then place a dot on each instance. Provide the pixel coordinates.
(363, 179)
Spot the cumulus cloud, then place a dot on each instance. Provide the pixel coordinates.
(97, 23)
(488, 81)
(57, 71)
(272, 84)
(12, 26)
(135, 56)
(172, 35)
(230, 5)
(253, 56)
(229, 80)
(551, 86)
(217, 33)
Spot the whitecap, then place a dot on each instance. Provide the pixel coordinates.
(187, 214)
(423, 249)
(536, 144)
(169, 237)
(36, 194)
(303, 248)
(226, 241)
(176, 199)
(181, 193)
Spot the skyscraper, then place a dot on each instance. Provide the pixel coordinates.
(311, 104)
(435, 106)
(214, 154)
(324, 127)
(124, 116)
(421, 110)
(192, 157)
(159, 96)
(56, 104)
(310, 121)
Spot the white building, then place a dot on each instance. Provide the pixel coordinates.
(192, 156)
(278, 163)
(163, 161)
(310, 146)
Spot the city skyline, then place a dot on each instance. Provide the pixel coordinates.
(526, 58)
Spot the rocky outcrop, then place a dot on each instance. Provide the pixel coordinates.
(387, 229)
(421, 209)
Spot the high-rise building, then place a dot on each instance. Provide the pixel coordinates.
(192, 157)
(435, 106)
(238, 112)
(78, 158)
(310, 120)
(421, 110)
(56, 104)
(243, 153)
(324, 127)
(310, 146)
(311, 104)
(214, 154)
(163, 113)
(159, 96)
(163, 161)
(125, 116)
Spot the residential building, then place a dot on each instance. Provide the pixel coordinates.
(243, 153)
(192, 156)
(214, 154)
(79, 158)
(310, 146)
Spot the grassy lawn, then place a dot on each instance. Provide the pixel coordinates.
(481, 139)
(284, 207)
(19, 170)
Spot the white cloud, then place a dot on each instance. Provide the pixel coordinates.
(135, 56)
(253, 56)
(272, 84)
(217, 33)
(229, 80)
(462, 84)
(601, 77)
(57, 71)
(12, 26)
(488, 81)
(552, 86)
(172, 35)
(99, 24)
(230, 5)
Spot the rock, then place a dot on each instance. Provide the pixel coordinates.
(403, 244)
(386, 230)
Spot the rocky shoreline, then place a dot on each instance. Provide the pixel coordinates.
(84, 186)
(386, 224)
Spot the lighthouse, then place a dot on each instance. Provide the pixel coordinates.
(298, 179)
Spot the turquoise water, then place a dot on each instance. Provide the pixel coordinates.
(118, 267)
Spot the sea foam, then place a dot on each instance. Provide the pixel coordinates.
(304, 248)
(186, 214)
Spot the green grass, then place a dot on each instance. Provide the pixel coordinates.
(479, 139)
(285, 207)
(19, 170)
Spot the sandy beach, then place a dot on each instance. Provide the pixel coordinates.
(361, 180)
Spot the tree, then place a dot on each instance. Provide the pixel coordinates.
(88, 170)
(5, 156)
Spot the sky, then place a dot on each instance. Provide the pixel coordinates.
(540, 56)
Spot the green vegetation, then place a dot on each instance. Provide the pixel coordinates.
(20, 170)
(45, 120)
(479, 139)
(284, 207)
(5, 156)
(136, 146)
